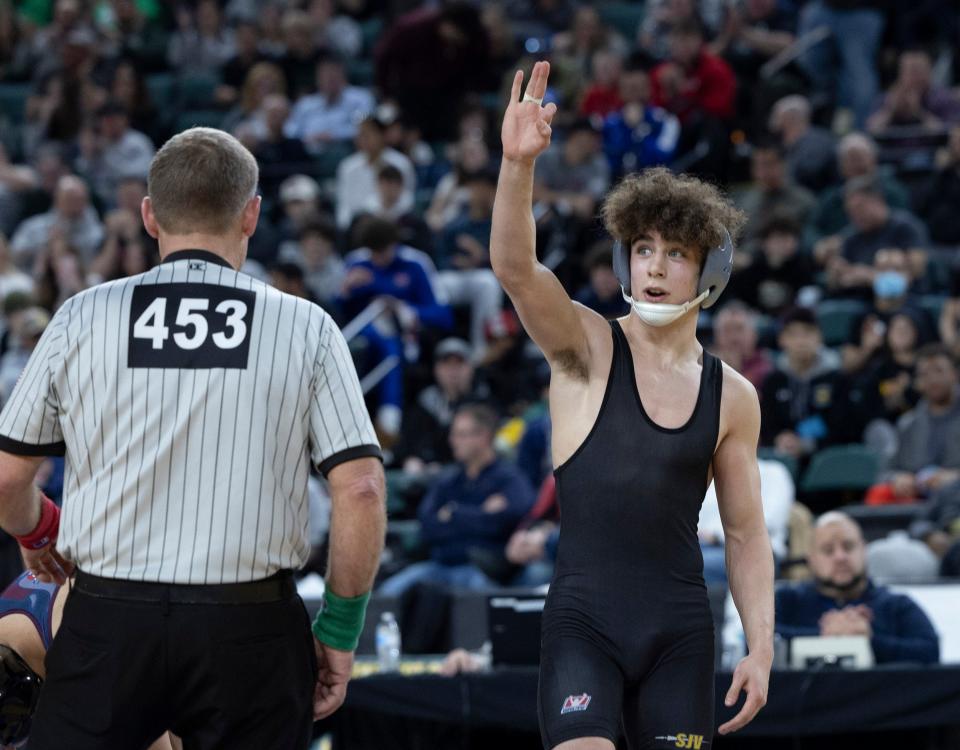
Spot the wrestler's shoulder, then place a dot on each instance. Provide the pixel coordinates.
(739, 396)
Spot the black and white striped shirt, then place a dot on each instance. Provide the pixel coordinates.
(189, 401)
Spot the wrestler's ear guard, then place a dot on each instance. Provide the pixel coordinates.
(714, 276)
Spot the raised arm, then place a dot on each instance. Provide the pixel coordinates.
(548, 314)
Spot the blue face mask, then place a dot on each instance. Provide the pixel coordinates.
(890, 284)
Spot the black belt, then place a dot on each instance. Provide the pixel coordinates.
(278, 587)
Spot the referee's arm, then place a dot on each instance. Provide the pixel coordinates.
(357, 525)
(346, 452)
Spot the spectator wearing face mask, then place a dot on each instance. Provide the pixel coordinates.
(874, 225)
(891, 296)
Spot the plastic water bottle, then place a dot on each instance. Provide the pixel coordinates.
(732, 639)
(388, 643)
(734, 646)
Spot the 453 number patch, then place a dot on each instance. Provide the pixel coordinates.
(192, 326)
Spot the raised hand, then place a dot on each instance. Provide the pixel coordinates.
(526, 124)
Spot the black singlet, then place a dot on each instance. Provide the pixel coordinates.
(627, 635)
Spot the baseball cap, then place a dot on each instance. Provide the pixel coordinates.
(299, 187)
(452, 347)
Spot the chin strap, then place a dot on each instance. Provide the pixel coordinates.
(661, 314)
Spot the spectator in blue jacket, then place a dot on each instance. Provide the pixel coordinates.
(842, 600)
(469, 513)
(403, 279)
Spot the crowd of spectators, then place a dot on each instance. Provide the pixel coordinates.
(835, 124)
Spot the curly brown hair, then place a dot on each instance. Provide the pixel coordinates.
(681, 208)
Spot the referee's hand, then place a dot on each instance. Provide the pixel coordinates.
(47, 564)
(334, 670)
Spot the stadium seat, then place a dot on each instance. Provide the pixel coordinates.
(406, 533)
(933, 304)
(841, 467)
(836, 318)
(329, 159)
(877, 521)
(371, 30)
(13, 100)
(196, 91)
(161, 88)
(398, 482)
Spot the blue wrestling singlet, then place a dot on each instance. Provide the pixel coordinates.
(33, 598)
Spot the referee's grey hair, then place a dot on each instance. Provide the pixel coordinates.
(200, 181)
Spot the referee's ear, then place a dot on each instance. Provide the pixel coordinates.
(149, 220)
(251, 215)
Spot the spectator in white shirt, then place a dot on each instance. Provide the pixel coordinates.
(333, 112)
(357, 174)
(777, 492)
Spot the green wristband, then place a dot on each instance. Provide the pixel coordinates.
(340, 620)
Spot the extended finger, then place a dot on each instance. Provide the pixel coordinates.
(515, 89)
(540, 84)
(532, 82)
(736, 685)
(737, 722)
(750, 708)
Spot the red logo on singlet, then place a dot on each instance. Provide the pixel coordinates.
(575, 703)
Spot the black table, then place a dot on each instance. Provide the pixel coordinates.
(800, 703)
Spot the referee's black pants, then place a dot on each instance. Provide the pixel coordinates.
(226, 667)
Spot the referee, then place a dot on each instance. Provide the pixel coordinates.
(189, 402)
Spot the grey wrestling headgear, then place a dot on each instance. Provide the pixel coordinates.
(713, 280)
